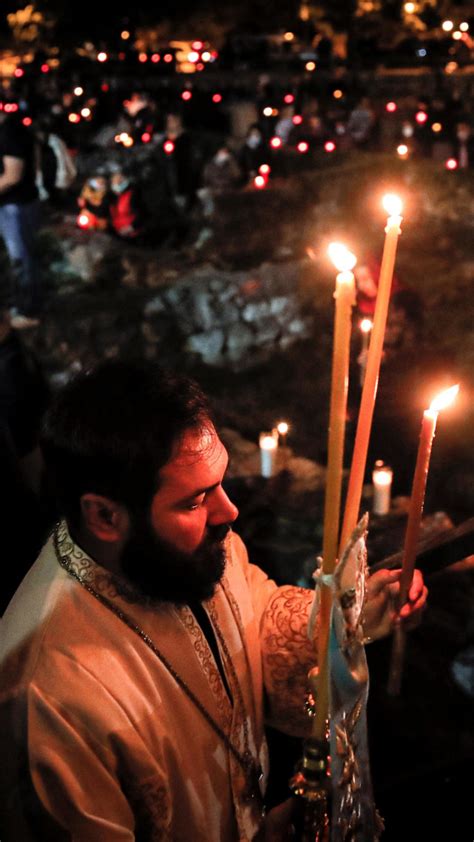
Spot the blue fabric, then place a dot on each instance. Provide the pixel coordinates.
(18, 227)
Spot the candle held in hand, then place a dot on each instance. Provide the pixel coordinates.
(428, 427)
(393, 206)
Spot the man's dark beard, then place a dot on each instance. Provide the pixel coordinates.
(159, 572)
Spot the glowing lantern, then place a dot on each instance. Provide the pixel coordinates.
(74, 118)
(167, 57)
(402, 150)
(337, 94)
(193, 57)
(264, 169)
(86, 112)
(104, 87)
(78, 91)
(19, 72)
(447, 26)
(197, 45)
(206, 56)
(457, 35)
(142, 57)
(125, 35)
(310, 65)
(436, 127)
(27, 121)
(464, 27)
(267, 111)
(146, 137)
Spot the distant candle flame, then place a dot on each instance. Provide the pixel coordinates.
(366, 325)
(282, 428)
(342, 258)
(382, 476)
(444, 399)
(392, 204)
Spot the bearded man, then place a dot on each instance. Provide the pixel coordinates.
(143, 652)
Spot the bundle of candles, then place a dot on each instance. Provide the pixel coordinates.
(335, 538)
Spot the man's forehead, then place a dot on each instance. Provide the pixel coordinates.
(198, 451)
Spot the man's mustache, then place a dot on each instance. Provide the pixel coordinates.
(218, 532)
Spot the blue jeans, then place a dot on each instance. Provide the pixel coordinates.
(18, 227)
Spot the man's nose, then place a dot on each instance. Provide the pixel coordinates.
(222, 509)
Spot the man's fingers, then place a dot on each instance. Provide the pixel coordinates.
(382, 579)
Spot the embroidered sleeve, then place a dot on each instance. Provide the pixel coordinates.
(287, 657)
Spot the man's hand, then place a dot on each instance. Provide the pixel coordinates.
(278, 823)
(380, 614)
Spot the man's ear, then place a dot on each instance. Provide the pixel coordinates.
(103, 518)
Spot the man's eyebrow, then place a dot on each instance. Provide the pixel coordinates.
(198, 492)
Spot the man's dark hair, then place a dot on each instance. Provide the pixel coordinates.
(111, 430)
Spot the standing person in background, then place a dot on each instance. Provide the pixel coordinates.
(19, 217)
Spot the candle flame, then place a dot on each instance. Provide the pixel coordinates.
(282, 428)
(366, 325)
(382, 476)
(342, 258)
(444, 399)
(268, 442)
(392, 204)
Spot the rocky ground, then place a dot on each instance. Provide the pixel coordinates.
(250, 315)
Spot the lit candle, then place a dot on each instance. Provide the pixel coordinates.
(268, 445)
(382, 477)
(344, 295)
(393, 206)
(365, 328)
(428, 427)
(282, 429)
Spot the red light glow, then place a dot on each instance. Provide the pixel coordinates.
(259, 182)
(421, 117)
(288, 98)
(329, 146)
(276, 142)
(264, 169)
(44, 68)
(83, 220)
(27, 121)
(146, 137)
(186, 95)
(19, 72)
(168, 146)
(297, 120)
(217, 98)
(302, 146)
(451, 164)
(142, 57)
(391, 107)
(155, 58)
(167, 57)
